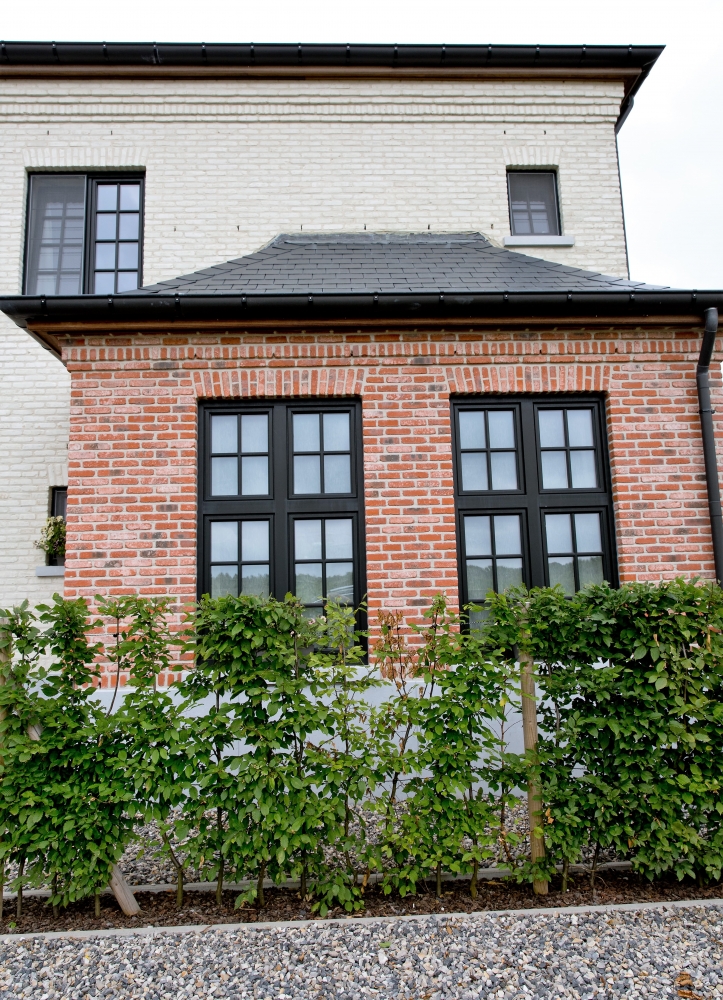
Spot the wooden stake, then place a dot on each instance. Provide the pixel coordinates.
(123, 893)
(534, 795)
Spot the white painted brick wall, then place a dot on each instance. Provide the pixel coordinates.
(231, 163)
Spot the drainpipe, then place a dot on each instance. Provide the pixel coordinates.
(709, 453)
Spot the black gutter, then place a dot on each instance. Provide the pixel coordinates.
(708, 434)
(219, 54)
(29, 311)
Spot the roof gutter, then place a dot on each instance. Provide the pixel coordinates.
(40, 312)
(708, 435)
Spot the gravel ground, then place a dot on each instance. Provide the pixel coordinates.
(653, 954)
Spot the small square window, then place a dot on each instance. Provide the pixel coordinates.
(533, 199)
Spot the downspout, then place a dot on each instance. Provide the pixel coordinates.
(709, 452)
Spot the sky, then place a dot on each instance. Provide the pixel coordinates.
(671, 146)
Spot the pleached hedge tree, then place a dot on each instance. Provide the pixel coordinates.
(289, 752)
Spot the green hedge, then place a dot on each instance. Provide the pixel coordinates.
(272, 757)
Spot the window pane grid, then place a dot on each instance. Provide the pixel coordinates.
(488, 450)
(493, 553)
(240, 455)
(574, 549)
(321, 453)
(568, 456)
(116, 233)
(323, 560)
(56, 226)
(240, 558)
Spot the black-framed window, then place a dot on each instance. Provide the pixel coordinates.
(281, 507)
(547, 517)
(534, 204)
(59, 501)
(84, 234)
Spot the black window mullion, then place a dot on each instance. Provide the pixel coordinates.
(280, 471)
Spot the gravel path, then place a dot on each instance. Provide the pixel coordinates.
(649, 953)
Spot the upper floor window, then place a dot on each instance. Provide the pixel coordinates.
(534, 209)
(532, 493)
(281, 501)
(84, 234)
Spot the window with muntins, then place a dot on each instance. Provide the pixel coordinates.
(534, 207)
(84, 234)
(532, 493)
(281, 501)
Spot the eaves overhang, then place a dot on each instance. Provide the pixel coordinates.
(66, 314)
(628, 63)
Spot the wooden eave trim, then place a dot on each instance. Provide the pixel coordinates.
(627, 76)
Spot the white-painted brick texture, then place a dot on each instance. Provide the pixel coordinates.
(231, 163)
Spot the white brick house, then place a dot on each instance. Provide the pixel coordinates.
(238, 146)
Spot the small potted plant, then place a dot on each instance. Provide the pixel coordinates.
(52, 541)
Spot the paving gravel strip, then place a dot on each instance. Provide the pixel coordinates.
(654, 953)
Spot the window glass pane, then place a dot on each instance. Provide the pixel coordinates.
(579, 428)
(502, 428)
(509, 573)
(562, 573)
(504, 470)
(255, 580)
(224, 432)
(130, 197)
(559, 533)
(582, 467)
(306, 436)
(254, 541)
(107, 197)
(127, 255)
(105, 256)
(307, 474)
(477, 536)
(307, 539)
(224, 541)
(105, 227)
(338, 538)
(479, 578)
(507, 535)
(224, 477)
(129, 227)
(340, 582)
(55, 229)
(590, 570)
(104, 282)
(337, 474)
(474, 470)
(224, 581)
(533, 207)
(255, 433)
(127, 281)
(587, 533)
(336, 433)
(254, 476)
(554, 470)
(309, 582)
(552, 428)
(472, 429)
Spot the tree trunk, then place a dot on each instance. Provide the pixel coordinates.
(260, 898)
(439, 880)
(534, 796)
(123, 893)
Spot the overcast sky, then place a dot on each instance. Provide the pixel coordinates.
(671, 146)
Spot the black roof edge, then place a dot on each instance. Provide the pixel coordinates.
(39, 311)
(216, 54)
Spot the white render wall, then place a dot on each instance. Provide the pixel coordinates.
(231, 163)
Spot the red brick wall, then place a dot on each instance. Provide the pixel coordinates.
(132, 467)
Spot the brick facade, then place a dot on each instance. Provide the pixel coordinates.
(133, 452)
(231, 163)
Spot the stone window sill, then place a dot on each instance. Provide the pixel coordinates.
(538, 241)
(50, 570)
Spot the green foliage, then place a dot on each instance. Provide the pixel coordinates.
(273, 754)
(632, 683)
(52, 537)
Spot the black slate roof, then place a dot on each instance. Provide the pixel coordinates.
(387, 263)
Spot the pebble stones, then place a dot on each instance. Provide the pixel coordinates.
(664, 954)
